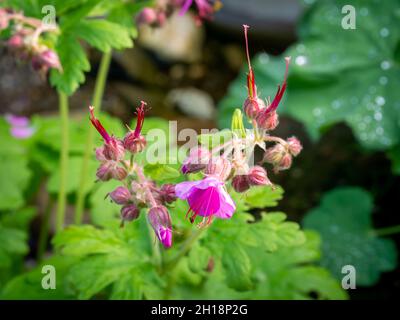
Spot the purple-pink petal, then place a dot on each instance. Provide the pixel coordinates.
(22, 132)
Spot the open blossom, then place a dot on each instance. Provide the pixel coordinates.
(205, 8)
(20, 127)
(207, 198)
(160, 221)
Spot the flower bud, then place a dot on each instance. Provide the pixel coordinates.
(252, 107)
(121, 195)
(118, 173)
(147, 16)
(104, 172)
(258, 176)
(114, 150)
(15, 42)
(160, 221)
(129, 212)
(133, 143)
(219, 167)
(100, 154)
(196, 161)
(279, 157)
(4, 20)
(240, 183)
(50, 59)
(167, 193)
(295, 146)
(267, 120)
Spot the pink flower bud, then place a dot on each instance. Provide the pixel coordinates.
(50, 59)
(104, 172)
(4, 20)
(121, 195)
(279, 157)
(196, 161)
(100, 154)
(167, 193)
(240, 183)
(15, 42)
(119, 173)
(161, 18)
(129, 212)
(134, 144)
(147, 16)
(252, 107)
(114, 149)
(219, 167)
(295, 146)
(160, 221)
(258, 176)
(267, 120)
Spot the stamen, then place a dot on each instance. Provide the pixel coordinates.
(140, 118)
(96, 123)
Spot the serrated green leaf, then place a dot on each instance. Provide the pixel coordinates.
(104, 35)
(161, 172)
(344, 221)
(238, 266)
(263, 196)
(74, 62)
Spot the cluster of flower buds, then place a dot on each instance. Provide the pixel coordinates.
(137, 191)
(230, 161)
(25, 41)
(156, 16)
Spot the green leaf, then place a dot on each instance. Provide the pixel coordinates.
(161, 172)
(238, 267)
(344, 221)
(19, 219)
(336, 74)
(104, 35)
(263, 196)
(74, 62)
(12, 243)
(27, 286)
(14, 178)
(86, 240)
(289, 274)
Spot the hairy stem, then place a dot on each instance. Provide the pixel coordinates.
(62, 194)
(97, 99)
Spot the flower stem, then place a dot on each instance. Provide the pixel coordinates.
(97, 99)
(185, 248)
(62, 194)
(44, 230)
(387, 231)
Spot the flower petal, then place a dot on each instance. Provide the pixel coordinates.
(227, 206)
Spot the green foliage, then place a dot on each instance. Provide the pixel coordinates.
(337, 74)
(14, 172)
(161, 172)
(79, 20)
(344, 222)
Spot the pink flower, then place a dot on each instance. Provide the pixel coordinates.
(205, 8)
(134, 141)
(207, 198)
(160, 221)
(20, 127)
